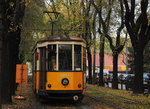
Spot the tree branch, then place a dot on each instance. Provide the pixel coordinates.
(144, 4)
(126, 6)
(110, 41)
(95, 6)
(132, 13)
(107, 20)
(128, 24)
(138, 23)
(122, 24)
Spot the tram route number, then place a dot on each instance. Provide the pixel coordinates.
(65, 75)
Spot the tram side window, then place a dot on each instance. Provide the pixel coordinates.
(84, 60)
(51, 57)
(65, 57)
(33, 62)
(77, 57)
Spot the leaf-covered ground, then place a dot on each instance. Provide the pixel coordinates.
(32, 102)
(119, 98)
(95, 98)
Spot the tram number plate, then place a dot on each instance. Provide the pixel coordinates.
(65, 75)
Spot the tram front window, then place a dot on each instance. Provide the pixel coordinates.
(52, 57)
(77, 57)
(65, 57)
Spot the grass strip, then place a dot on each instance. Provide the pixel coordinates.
(122, 98)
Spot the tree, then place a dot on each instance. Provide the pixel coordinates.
(87, 34)
(138, 28)
(94, 46)
(1, 34)
(33, 28)
(11, 17)
(118, 47)
(146, 62)
(146, 58)
(98, 6)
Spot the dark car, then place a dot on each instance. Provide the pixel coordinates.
(130, 82)
(122, 78)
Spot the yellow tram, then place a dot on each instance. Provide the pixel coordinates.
(59, 66)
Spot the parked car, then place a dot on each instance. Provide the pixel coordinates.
(110, 77)
(130, 81)
(106, 77)
(122, 78)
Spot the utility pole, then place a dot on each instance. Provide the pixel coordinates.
(126, 55)
(126, 60)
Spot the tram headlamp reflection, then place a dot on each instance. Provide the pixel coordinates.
(79, 85)
(49, 86)
(65, 81)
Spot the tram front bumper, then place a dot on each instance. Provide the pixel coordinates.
(61, 94)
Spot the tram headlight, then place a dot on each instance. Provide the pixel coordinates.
(49, 86)
(65, 81)
(79, 85)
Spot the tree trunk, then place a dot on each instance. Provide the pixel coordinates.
(89, 65)
(12, 69)
(6, 83)
(94, 74)
(0, 65)
(1, 34)
(138, 60)
(115, 71)
(101, 55)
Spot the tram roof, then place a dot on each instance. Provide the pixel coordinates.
(61, 38)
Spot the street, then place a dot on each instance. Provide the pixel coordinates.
(120, 86)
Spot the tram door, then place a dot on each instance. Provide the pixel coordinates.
(42, 81)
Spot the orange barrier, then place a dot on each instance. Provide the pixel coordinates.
(22, 73)
(21, 77)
